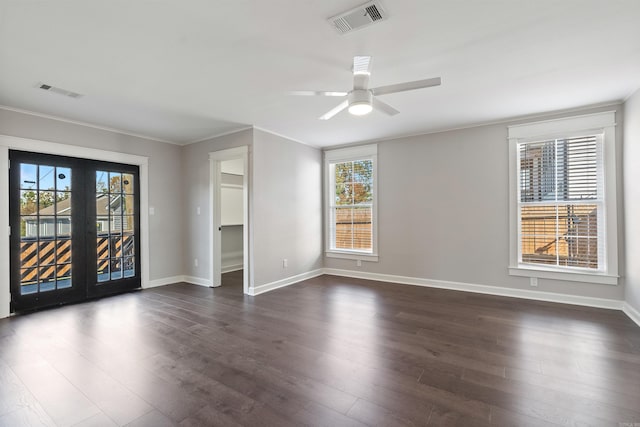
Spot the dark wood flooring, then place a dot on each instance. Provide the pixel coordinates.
(328, 351)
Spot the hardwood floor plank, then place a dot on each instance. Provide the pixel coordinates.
(63, 402)
(328, 351)
(154, 418)
(375, 415)
(27, 416)
(99, 420)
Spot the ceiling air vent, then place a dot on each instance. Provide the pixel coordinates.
(58, 90)
(359, 17)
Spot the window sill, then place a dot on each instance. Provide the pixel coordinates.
(573, 276)
(358, 256)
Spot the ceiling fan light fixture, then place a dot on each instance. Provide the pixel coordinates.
(360, 102)
(360, 108)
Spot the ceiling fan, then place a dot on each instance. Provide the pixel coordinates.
(361, 100)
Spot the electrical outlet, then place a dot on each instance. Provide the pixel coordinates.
(285, 263)
(533, 281)
(359, 263)
(195, 262)
(198, 210)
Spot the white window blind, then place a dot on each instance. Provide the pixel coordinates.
(561, 202)
(562, 194)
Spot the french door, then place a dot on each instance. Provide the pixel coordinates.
(74, 229)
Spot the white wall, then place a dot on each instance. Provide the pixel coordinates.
(165, 177)
(231, 247)
(232, 217)
(443, 212)
(287, 197)
(632, 199)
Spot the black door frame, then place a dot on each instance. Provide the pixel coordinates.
(84, 233)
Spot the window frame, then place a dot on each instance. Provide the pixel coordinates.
(363, 152)
(592, 124)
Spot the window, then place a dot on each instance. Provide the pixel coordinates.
(351, 202)
(563, 199)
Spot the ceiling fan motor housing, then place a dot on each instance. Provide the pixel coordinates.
(360, 101)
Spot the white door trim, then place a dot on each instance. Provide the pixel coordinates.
(36, 146)
(215, 244)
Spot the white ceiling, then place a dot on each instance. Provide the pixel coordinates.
(182, 71)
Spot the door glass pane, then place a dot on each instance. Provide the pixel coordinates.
(102, 206)
(47, 254)
(28, 253)
(63, 251)
(45, 228)
(28, 227)
(46, 177)
(28, 281)
(129, 266)
(46, 201)
(103, 247)
(63, 276)
(127, 183)
(103, 270)
(63, 203)
(128, 204)
(63, 227)
(47, 278)
(128, 222)
(28, 176)
(115, 182)
(129, 246)
(102, 182)
(63, 179)
(116, 268)
(115, 246)
(28, 202)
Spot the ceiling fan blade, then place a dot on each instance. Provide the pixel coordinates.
(326, 116)
(361, 65)
(401, 87)
(384, 107)
(317, 93)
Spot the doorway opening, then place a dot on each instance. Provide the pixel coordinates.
(229, 219)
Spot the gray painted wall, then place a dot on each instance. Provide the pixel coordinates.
(165, 178)
(287, 196)
(195, 167)
(285, 205)
(443, 203)
(632, 199)
(443, 211)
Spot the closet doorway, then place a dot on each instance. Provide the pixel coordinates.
(229, 169)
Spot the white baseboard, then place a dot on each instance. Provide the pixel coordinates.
(230, 268)
(482, 289)
(164, 281)
(416, 281)
(176, 279)
(285, 282)
(631, 312)
(197, 281)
